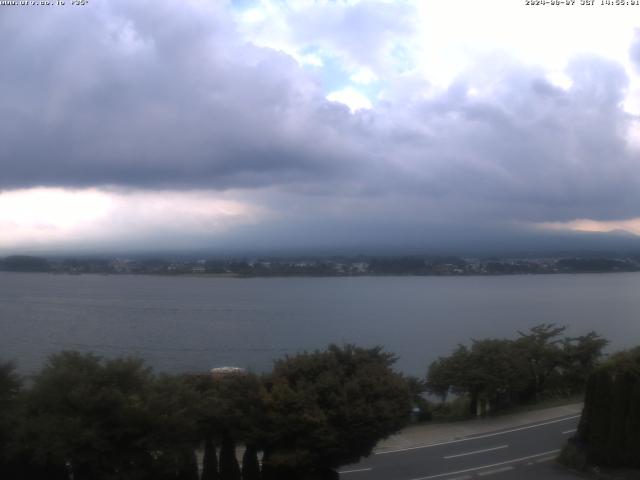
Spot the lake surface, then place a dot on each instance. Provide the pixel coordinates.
(190, 323)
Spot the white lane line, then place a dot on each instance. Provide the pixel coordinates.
(355, 471)
(567, 432)
(545, 459)
(467, 439)
(476, 451)
(514, 460)
(494, 471)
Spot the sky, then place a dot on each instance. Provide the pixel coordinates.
(361, 125)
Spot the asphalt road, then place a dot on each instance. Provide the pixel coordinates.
(524, 452)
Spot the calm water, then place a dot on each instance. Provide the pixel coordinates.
(187, 323)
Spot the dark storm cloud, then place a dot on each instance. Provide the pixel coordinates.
(528, 149)
(146, 96)
(152, 96)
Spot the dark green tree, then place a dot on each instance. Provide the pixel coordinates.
(10, 384)
(229, 468)
(90, 415)
(330, 408)
(489, 373)
(250, 465)
(173, 436)
(540, 348)
(498, 373)
(188, 465)
(110, 419)
(209, 460)
(581, 355)
(608, 432)
(230, 410)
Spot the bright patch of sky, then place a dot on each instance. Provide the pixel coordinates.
(50, 217)
(440, 40)
(352, 98)
(631, 226)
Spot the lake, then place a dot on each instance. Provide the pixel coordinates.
(189, 323)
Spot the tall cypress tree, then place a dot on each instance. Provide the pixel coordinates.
(250, 465)
(632, 429)
(229, 468)
(610, 423)
(210, 460)
(188, 469)
(619, 411)
(599, 414)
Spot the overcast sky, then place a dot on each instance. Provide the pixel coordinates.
(270, 124)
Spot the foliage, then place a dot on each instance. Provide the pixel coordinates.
(24, 263)
(498, 373)
(250, 464)
(209, 460)
(229, 468)
(108, 419)
(609, 429)
(90, 414)
(89, 418)
(329, 408)
(452, 410)
(10, 385)
(572, 455)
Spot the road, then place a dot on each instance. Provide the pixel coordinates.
(521, 452)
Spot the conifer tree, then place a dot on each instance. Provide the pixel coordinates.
(229, 468)
(210, 460)
(250, 465)
(188, 466)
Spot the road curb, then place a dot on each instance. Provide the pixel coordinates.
(423, 435)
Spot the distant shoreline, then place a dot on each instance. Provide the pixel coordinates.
(363, 275)
(357, 266)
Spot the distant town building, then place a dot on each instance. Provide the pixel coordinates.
(221, 372)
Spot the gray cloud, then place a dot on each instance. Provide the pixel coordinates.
(366, 33)
(145, 97)
(151, 96)
(634, 51)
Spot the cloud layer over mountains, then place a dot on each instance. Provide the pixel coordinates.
(154, 96)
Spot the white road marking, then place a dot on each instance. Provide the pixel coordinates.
(497, 470)
(487, 435)
(514, 460)
(567, 432)
(476, 451)
(355, 471)
(545, 459)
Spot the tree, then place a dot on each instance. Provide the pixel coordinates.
(488, 373)
(497, 373)
(440, 377)
(540, 349)
(494, 374)
(250, 465)
(229, 468)
(581, 355)
(10, 385)
(173, 436)
(209, 460)
(229, 410)
(24, 263)
(329, 408)
(90, 414)
(609, 429)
